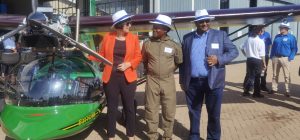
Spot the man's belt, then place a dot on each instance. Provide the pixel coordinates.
(279, 56)
(198, 78)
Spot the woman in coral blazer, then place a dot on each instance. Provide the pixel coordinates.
(121, 48)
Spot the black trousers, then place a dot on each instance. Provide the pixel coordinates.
(116, 86)
(263, 82)
(254, 67)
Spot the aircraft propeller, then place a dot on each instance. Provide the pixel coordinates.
(34, 23)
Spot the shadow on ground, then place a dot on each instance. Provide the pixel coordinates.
(232, 94)
(278, 99)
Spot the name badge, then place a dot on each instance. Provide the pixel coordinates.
(285, 39)
(215, 45)
(168, 50)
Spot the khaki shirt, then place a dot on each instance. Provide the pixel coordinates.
(161, 57)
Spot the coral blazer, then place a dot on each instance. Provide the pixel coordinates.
(133, 55)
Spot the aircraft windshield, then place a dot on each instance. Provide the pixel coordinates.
(45, 82)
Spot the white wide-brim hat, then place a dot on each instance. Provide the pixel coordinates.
(120, 16)
(284, 25)
(202, 15)
(163, 20)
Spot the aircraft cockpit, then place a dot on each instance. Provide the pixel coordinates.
(61, 82)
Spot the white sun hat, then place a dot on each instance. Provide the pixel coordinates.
(120, 16)
(163, 20)
(202, 15)
(285, 25)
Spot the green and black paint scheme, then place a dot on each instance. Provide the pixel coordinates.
(53, 98)
(56, 94)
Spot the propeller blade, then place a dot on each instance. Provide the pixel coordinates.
(73, 42)
(13, 32)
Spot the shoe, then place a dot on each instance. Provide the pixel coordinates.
(265, 89)
(258, 96)
(287, 94)
(272, 92)
(246, 94)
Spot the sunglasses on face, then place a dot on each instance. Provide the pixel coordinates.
(202, 21)
(127, 23)
(157, 27)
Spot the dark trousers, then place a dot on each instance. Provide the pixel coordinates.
(263, 81)
(118, 85)
(197, 91)
(253, 72)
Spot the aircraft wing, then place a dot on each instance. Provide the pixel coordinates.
(182, 20)
(10, 22)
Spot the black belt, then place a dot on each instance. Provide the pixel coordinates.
(198, 78)
(279, 56)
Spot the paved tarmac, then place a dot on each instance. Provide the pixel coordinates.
(274, 117)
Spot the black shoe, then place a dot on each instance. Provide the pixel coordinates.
(246, 94)
(265, 89)
(287, 94)
(272, 92)
(258, 96)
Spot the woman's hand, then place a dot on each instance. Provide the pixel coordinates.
(123, 66)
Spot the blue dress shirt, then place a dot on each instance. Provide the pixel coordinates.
(199, 65)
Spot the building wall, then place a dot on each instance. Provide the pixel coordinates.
(239, 42)
(62, 7)
(163, 6)
(108, 7)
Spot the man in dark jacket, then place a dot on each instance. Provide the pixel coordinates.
(202, 73)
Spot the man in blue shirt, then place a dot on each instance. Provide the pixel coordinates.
(283, 52)
(202, 74)
(266, 37)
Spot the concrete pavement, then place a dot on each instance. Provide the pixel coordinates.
(274, 117)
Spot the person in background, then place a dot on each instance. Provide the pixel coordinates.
(9, 47)
(202, 74)
(254, 50)
(283, 51)
(266, 37)
(121, 48)
(161, 57)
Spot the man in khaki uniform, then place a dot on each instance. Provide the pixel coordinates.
(161, 57)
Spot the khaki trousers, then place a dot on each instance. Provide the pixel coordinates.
(277, 64)
(160, 91)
